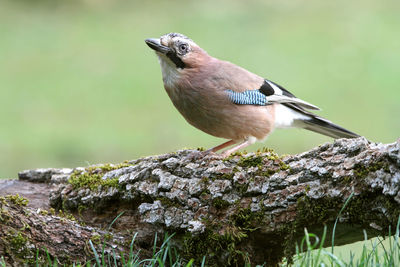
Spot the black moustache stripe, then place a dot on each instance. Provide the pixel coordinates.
(177, 61)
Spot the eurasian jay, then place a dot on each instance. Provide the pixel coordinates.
(227, 101)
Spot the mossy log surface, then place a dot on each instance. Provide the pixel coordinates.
(30, 237)
(250, 207)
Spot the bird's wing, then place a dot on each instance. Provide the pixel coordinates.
(300, 117)
(268, 93)
(292, 112)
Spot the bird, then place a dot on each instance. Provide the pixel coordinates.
(228, 101)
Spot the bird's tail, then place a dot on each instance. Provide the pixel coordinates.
(325, 127)
(307, 120)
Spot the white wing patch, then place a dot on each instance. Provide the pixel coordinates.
(285, 117)
(279, 96)
(277, 90)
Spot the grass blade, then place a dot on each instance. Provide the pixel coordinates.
(337, 219)
(96, 255)
(116, 218)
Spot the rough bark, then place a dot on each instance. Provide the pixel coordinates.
(249, 207)
(31, 236)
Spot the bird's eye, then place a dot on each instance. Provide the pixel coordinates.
(183, 48)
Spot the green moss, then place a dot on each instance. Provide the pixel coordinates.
(17, 246)
(347, 179)
(273, 156)
(213, 245)
(276, 158)
(66, 215)
(252, 161)
(265, 150)
(205, 195)
(95, 238)
(43, 212)
(92, 177)
(107, 236)
(284, 166)
(78, 180)
(246, 219)
(309, 210)
(52, 211)
(224, 238)
(361, 171)
(5, 216)
(241, 188)
(357, 207)
(324, 211)
(258, 160)
(219, 203)
(81, 208)
(107, 167)
(392, 208)
(3, 201)
(17, 240)
(267, 173)
(17, 200)
(236, 154)
(205, 180)
(166, 202)
(307, 188)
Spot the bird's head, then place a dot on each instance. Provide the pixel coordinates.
(177, 50)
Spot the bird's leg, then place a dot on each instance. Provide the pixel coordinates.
(221, 146)
(236, 148)
(197, 155)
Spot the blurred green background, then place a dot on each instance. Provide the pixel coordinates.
(79, 86)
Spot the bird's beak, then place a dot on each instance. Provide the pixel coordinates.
(155, 44)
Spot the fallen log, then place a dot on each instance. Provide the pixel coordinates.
(250, 207)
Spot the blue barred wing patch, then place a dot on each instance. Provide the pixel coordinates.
(249, 97)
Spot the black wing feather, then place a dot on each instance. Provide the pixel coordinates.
(320, 125)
